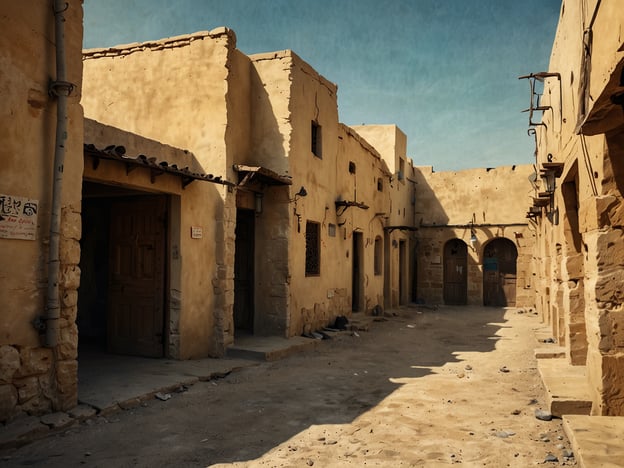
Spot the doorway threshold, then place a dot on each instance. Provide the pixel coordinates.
(109, 382)
(269, 348)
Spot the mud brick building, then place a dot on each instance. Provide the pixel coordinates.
(200, 194)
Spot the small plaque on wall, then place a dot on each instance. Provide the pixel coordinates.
(197, 232)
(18, 217)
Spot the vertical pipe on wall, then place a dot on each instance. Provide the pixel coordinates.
(61, 89)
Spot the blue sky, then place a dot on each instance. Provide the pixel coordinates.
(445, 71)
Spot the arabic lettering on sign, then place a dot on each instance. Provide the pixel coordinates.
(18, 217)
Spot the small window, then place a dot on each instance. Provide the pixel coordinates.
(313, 249)
(380, 185)
(401, 174)
(351, 167)
(378, 256)
(331, 230)
(316, 140)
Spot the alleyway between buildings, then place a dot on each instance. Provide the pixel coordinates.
(421, 387)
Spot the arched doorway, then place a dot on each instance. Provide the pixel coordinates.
(455, 272)
(499, 273)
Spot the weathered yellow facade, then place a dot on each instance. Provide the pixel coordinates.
(478, 208)
(35, 379)
(578, 195)
(220, 195)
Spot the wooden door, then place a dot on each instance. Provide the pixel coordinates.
(244, 270)
(499, 273)
(137, 276)
(455, 272)
(357, 273)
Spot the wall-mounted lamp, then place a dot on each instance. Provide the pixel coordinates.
(258, 202)
(473, 233)
(301, 193)
(548, 177)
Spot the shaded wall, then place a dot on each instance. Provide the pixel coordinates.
(489, 203)
(34, 379)
(198, 85)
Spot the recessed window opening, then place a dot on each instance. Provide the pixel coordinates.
(378, 256)
(351, 167)
(316, 140)
(313, 249)
(380, 185)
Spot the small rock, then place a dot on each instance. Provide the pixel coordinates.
(560, 446)
(461, 375)
(516, 412)
(505, 434)
(545, 439)
(331, 442)
(533, 401)
(163, 396)
(504, 369)
(310, 462)
(567, 453)
(543, 415)
(550, 458)
(468, 367)
(87, 454)
(559, 437)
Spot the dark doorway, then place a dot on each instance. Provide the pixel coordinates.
(402, 273)
(455, 272)
(499, 273)
(244, 271)
(357, 280)
(121, 301)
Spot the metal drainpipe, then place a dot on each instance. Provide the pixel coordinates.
(61, 89)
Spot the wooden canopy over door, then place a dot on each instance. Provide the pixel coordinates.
(499, 273)
(137, 276)
(455, 272)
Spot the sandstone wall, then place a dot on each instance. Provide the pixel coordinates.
(580, 239)
(491, 203)
(34, 379)
(191, 92)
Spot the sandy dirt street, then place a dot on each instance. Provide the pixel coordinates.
(423, 388)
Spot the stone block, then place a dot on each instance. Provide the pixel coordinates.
(70, 277)
(82, 412)
(67, 383)
(70, 251)
(594, 212)
(27, 388)
(616, 214)
(58, 420)
(71, 226)
(68, 342)
(9, 363)
(69, 298)
(609, 289)
(35, 361)
(609, 251)
(574, 266)
(69, 313)
(612, 380)
(37, 406)
(8, 402)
